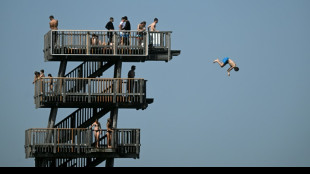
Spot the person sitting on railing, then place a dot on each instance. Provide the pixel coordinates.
(141, 30)
(97, 131)
(226, 61)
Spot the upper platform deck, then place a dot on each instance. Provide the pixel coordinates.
(100, 45)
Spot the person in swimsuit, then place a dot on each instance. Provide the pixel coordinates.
(97, 131)
(109, 132)
(141, 30)
(50, 81)
(54, 26)
(36, 76)
(226, 61)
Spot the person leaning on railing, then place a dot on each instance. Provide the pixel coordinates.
(141, 31)
(36, 76)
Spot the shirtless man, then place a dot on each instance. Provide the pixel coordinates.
(153, 36)
(152, 26)
(53, 23)
(54, 26)
(226, 61)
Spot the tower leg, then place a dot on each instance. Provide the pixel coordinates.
(53, 113)
(114, 111)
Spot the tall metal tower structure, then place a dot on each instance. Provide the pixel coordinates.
(71, 142)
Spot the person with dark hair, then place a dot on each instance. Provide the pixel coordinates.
(131, 76)
(154, 37)
(226, 61)
(51, 81)
(53, 23)
(126, 27)
(141, 31)
(42, 73)
(97, 131)
(152, 26)
(109, 132)
(109, 26)
(54, 26)
(36, 76)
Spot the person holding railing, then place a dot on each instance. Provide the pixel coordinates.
(36, 76)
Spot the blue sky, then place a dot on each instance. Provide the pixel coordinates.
(201, 117)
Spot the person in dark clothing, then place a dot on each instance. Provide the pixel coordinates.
(127, 26)
(131, 76)
(109, 26)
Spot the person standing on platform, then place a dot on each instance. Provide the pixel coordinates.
(226, 61)
(141, 31)
(53, 23)
(153, 36)
(109, 26)
(36, 76)
(109, 133)
(51, 82)
(54, 26)
(131, 76)
(97, 130)
(42, 73)
(126, 27)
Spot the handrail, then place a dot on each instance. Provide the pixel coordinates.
(90, 90)
(104, 42)
(79, 140)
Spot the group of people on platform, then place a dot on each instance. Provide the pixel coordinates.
(39, 75)
(124, 25)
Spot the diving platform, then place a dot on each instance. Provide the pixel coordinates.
(91, 93)
(67, 144)
(99, 45)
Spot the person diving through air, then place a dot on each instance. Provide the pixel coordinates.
(226, 61)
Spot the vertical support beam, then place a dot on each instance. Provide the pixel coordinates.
(114, 111)
(53, 113)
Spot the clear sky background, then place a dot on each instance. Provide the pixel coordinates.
(259, 116)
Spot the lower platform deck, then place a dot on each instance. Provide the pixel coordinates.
(82, 143)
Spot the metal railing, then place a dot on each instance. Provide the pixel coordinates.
(75, 140)
(104, 43)
(90, 90)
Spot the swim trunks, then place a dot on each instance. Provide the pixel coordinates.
(225, 61)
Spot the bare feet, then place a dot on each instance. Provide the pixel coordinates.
(216, 60)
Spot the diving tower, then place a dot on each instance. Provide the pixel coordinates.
(71, 142)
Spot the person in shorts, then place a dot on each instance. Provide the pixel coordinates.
(226, 61)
